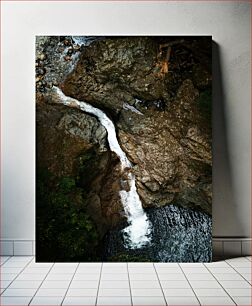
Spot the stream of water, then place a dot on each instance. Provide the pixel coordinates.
(138, 233)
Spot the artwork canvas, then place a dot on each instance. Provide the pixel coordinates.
(123, 149)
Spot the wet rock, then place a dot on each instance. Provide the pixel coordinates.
(67, 42)
(67, 58)
(42, 56)
(41, 71)
(50, 54)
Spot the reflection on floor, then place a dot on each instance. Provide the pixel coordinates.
(24, 282)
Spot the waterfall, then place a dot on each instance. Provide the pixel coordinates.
(137, 234)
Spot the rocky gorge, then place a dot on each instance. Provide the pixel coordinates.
(157, 93)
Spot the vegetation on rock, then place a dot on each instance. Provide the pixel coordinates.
(61, 215)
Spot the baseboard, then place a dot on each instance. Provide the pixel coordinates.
(17, 247)
(227, 247)
(223, 247)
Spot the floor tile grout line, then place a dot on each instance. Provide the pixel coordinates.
(41, 283)
(1, 266)
(9, 257)
(235, 271)
(220, 284)
(16, 276)
(240, 273)
(98, 288)
(189, 284)
(160, 284)
(231, 259)
(131, 298)
(70, 283)
(247, 258)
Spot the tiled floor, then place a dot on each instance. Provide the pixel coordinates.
(24, 282)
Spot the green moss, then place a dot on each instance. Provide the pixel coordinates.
(123, 257)
(88, 168)
(64, 230)
(67, 184)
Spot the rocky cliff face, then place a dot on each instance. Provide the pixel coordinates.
(169, 139)
(157, 91)
(74, 144)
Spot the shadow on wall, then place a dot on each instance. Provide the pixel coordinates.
(226, 220)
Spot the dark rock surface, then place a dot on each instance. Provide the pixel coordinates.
(74, 144)
(157, 90)
(170, 143)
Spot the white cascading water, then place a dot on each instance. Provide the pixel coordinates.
(137, 234)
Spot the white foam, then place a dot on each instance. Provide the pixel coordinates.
(137, 234)
(85, 40)
(126, 106)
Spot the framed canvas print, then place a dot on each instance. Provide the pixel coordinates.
(123, 148)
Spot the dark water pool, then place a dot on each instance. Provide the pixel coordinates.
(178, 235)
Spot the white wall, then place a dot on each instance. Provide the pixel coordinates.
(227, 22)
